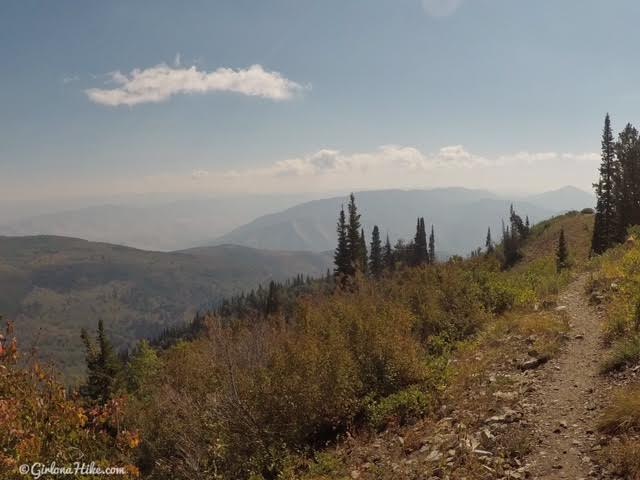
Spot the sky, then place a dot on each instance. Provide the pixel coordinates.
(289, 96)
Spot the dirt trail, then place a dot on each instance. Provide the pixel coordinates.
(570, 396)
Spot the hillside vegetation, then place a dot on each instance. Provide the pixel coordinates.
(54, 286)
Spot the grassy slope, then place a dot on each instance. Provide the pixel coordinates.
(53, 286)
(481, 370)
(578, 229)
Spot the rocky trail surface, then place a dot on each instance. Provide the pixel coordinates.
(568, 396)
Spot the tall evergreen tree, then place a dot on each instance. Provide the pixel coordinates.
(432, 246)
(375, 253)
(354, 241)
(562, 253)
(363, 264)
(341, 256)
(605, 229)
(420, 247)
(388, 259)
(626, 183)
(489, 242)
(103, 367)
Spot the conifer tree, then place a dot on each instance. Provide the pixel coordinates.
(605, 229)
(626, 183)
(375, 254)
(420, 248)
(363, 263)
(388, 259)
(341, 256)
(432, 246)
(103, 367)
(354, 240)
(562, 253)
(489, 243)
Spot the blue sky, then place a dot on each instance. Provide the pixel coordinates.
(361, 94)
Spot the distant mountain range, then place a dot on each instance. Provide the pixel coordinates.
(158, 225)
(460, 216)
(51, 287)
(282, 222)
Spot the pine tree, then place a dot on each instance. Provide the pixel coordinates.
(626, 183)
(341, 257)
(363, 263)
(489, 243)
(432, 246)
(103, 367)
(354, 241)
(562, 253)
(273, 300)
(388, 259)
(420, 248)
(375, 254)
(605, 229)
(142, 367)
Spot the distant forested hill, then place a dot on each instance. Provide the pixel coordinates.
(53, 286)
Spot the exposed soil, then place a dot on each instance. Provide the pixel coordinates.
(569, 396)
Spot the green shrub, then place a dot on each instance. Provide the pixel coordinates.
(625, 353)
(399, 408)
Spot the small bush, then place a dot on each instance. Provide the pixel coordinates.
(624, 457)
(587, 211)
(399, 408)
(625, 353)
(623, 415)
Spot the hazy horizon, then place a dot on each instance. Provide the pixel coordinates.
(99, 101)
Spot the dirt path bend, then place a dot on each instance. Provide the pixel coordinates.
(570, 396)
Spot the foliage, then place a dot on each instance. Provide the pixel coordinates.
(626, 352)
(399, 408)
(562, 253)
(623, 414)
(39, 422)
(104, 369)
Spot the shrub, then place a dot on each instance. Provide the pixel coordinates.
(587, 211)
(399, 408)
(625, 353)
(623, 415)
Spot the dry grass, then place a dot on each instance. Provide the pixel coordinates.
(623, 415)
(624, 458)
(578, 230)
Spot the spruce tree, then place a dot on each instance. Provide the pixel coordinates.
(562, 253)
(388, 259)
(354, 241)
(341, 257)
(605, 229)
(420, 248)
(363, 260)
(626, 183)
(432, 246)
(103, 367)
(375, 254)
(489, 243)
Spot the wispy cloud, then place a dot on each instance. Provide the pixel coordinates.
(392, 166)
(326, 170)
(159, 83)
(70, 79)
(440, 8)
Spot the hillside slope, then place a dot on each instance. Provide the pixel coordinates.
(461, 217)
(53, 286)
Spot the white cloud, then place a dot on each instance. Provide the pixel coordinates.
(331, 170)
(198, 174)
(440, 8)
(159, 83)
